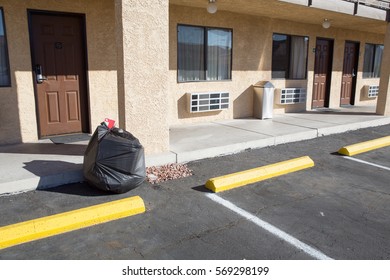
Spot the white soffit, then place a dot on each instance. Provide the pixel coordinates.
(365, 11)
(299, 2)
(334, 5)
(344, 7)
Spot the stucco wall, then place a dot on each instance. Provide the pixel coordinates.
(383, 107)
(252, 58)
(142, 44)
(139, 38)
(17, 103)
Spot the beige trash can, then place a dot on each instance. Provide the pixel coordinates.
(263, 100)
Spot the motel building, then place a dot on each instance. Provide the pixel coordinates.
(65, 65)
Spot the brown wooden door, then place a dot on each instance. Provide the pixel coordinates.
(58, 53)
(348, 82)
(322, 70)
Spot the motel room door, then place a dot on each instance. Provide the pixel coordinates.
(348, 82)
(322, 73)
(59, 68)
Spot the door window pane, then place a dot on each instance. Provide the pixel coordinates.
(4, 64)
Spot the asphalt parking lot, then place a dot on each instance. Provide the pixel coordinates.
(338, 209)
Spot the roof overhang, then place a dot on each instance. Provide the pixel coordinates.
(342, 14)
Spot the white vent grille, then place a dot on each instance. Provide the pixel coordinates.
(372, 91)
(208, 101)
(292, 95)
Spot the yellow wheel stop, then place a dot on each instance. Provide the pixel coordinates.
(366, 146)
(68, 221)
(243, 178)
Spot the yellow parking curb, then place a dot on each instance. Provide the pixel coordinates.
(64, 222)
(243, 178)
(365, 146)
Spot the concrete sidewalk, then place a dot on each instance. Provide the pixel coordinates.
(43, 164)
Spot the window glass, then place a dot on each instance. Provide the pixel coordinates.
(378, 60)
(280, 56)
(219, 43)
(4, 64)
(372, 60)
(369, 53)
(289, 56)
(298, 57)
(191, 53)
(204, 53)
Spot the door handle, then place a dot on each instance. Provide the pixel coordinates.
(353, 72)
(38, 73)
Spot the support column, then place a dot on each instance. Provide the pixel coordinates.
(383, 102)
(142, 34)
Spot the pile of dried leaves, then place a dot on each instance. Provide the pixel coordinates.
(157, 174)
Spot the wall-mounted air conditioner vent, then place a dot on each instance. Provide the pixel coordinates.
(207, 101)
(372, 91)
(292, 95)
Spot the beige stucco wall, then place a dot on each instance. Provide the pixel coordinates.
(383, 106)
(252, 57)
(132, 61)
(142, 44)
(17, 103)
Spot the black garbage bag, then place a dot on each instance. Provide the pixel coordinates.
(114, 160)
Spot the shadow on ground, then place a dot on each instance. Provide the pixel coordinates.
(79, 189)
(202, 188)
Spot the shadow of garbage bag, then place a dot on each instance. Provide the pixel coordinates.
(114, 160)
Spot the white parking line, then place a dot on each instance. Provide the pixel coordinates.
(270, 228)
(366, 162)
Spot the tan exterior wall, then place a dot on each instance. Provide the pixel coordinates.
(17, 103)
(383, 106)
(132, 65)
(252, 58)
(143, 51)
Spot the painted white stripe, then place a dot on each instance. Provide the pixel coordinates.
(366, 162)
(270, 228)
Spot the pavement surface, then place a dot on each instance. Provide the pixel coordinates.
(43, 164)
(338, 208)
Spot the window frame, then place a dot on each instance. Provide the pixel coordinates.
(6, 50)
(371, 73)
(205, 55)
(289, 36)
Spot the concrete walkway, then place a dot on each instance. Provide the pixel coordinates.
(43, 164)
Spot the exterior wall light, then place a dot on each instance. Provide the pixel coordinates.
(212, 6)
(326, 23)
